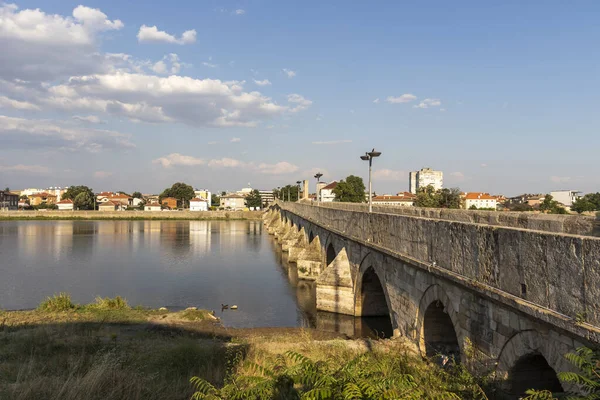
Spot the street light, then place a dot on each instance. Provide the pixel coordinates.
(298, 183)
(369, 157)
(318, 175)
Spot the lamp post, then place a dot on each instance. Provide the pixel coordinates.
(369, 157)
(318, 175)
(298, 196)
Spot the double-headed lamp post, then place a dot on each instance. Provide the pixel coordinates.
(298, 196)
(318, 175)
(369, 157)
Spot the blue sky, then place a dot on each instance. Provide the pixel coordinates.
(501, 96)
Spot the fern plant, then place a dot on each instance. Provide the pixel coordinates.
(369, 376)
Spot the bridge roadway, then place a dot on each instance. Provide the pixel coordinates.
(507, 297)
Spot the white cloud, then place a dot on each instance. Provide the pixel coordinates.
(389, 175)
(235, 140)
(176, 159)
(405, 98)
(239, 11)
(92, 119)
(209, 65)
(333, 142)
(560, 179)
(160, 67)
(152, 34)
(301, 103)
(289, 73)
(458, 176)
(31, 134)
(280, 168)
(102, 174)
(212, 142)
(429, 103)
(170, 64)
(376, 101)
(16, 104)
(25, 169)
(483, 165)
(38, 46)
(264, 82)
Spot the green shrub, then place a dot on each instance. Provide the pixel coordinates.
(58, 302)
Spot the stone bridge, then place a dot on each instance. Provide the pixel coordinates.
(504, 293)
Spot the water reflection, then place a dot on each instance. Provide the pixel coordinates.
(176, 264)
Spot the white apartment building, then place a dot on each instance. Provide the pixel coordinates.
(425, 177)
(479, 200)
(266, 196)
(566, 197)
(204, 194)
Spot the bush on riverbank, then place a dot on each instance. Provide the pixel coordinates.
(58, 302)
(106, 303)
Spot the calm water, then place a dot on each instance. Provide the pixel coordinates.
(176, 264)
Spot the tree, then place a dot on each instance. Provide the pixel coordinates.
(448, 198)
(6, 189)
(215, 200)
(473, 207)
(136, 195)
(589, 202)
(85, 202)
(352, 190)
(426, 197)
(181, 191)
(551, 206)
(283, 193)
(254, 199)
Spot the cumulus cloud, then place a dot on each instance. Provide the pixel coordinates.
(300, 102)
(333, 142)
(16, 104)
(176, 159)
(405, 98)
(39, 46)
(289, 73)
(31, 134)
(389, 175)
(429, 103)
(560, 179)
(484, 165)
(264, 82)
(239, 11)
(151, 34)
(235, 140)
(376, 101)
(170, 64)
(25, 169)
(92, 119)
(102, 174)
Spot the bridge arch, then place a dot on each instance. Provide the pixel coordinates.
(530, 360)
(437, 325)
(330, 254)
(371, 298)
(311, 236)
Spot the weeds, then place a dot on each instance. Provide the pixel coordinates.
(56, 303)
(118, 303)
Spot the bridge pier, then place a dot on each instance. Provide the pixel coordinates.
(295, 248)
(335, 289)
(309, 261)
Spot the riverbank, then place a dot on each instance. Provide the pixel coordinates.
(110, 351)
(130, 215)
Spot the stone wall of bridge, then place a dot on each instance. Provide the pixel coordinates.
(501, 299)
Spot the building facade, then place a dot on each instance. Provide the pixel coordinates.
(425, 177)
(566, 197)
(65, 205)
(198, 204)
(403, 199)
(326, 194)
(233, 202)
(203, 194)
(8, 201)
(479, 200)
(266, 196)
(170, 202)
(152, 207)
(37, 199)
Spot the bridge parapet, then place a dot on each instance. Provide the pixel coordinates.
(559, 272)
(571, 224)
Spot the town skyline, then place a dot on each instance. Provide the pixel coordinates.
(221, 94)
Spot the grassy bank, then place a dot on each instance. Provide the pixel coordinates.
(130, 215)
(107, 350)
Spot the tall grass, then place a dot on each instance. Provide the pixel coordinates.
(56, 303)
(106, 303)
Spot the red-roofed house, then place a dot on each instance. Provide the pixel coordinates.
(152, 207)
(404, 199)
(65, 205)
(109, 205)
(479, 200)
(327, 194)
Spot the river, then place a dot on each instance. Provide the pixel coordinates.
(173, 264)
